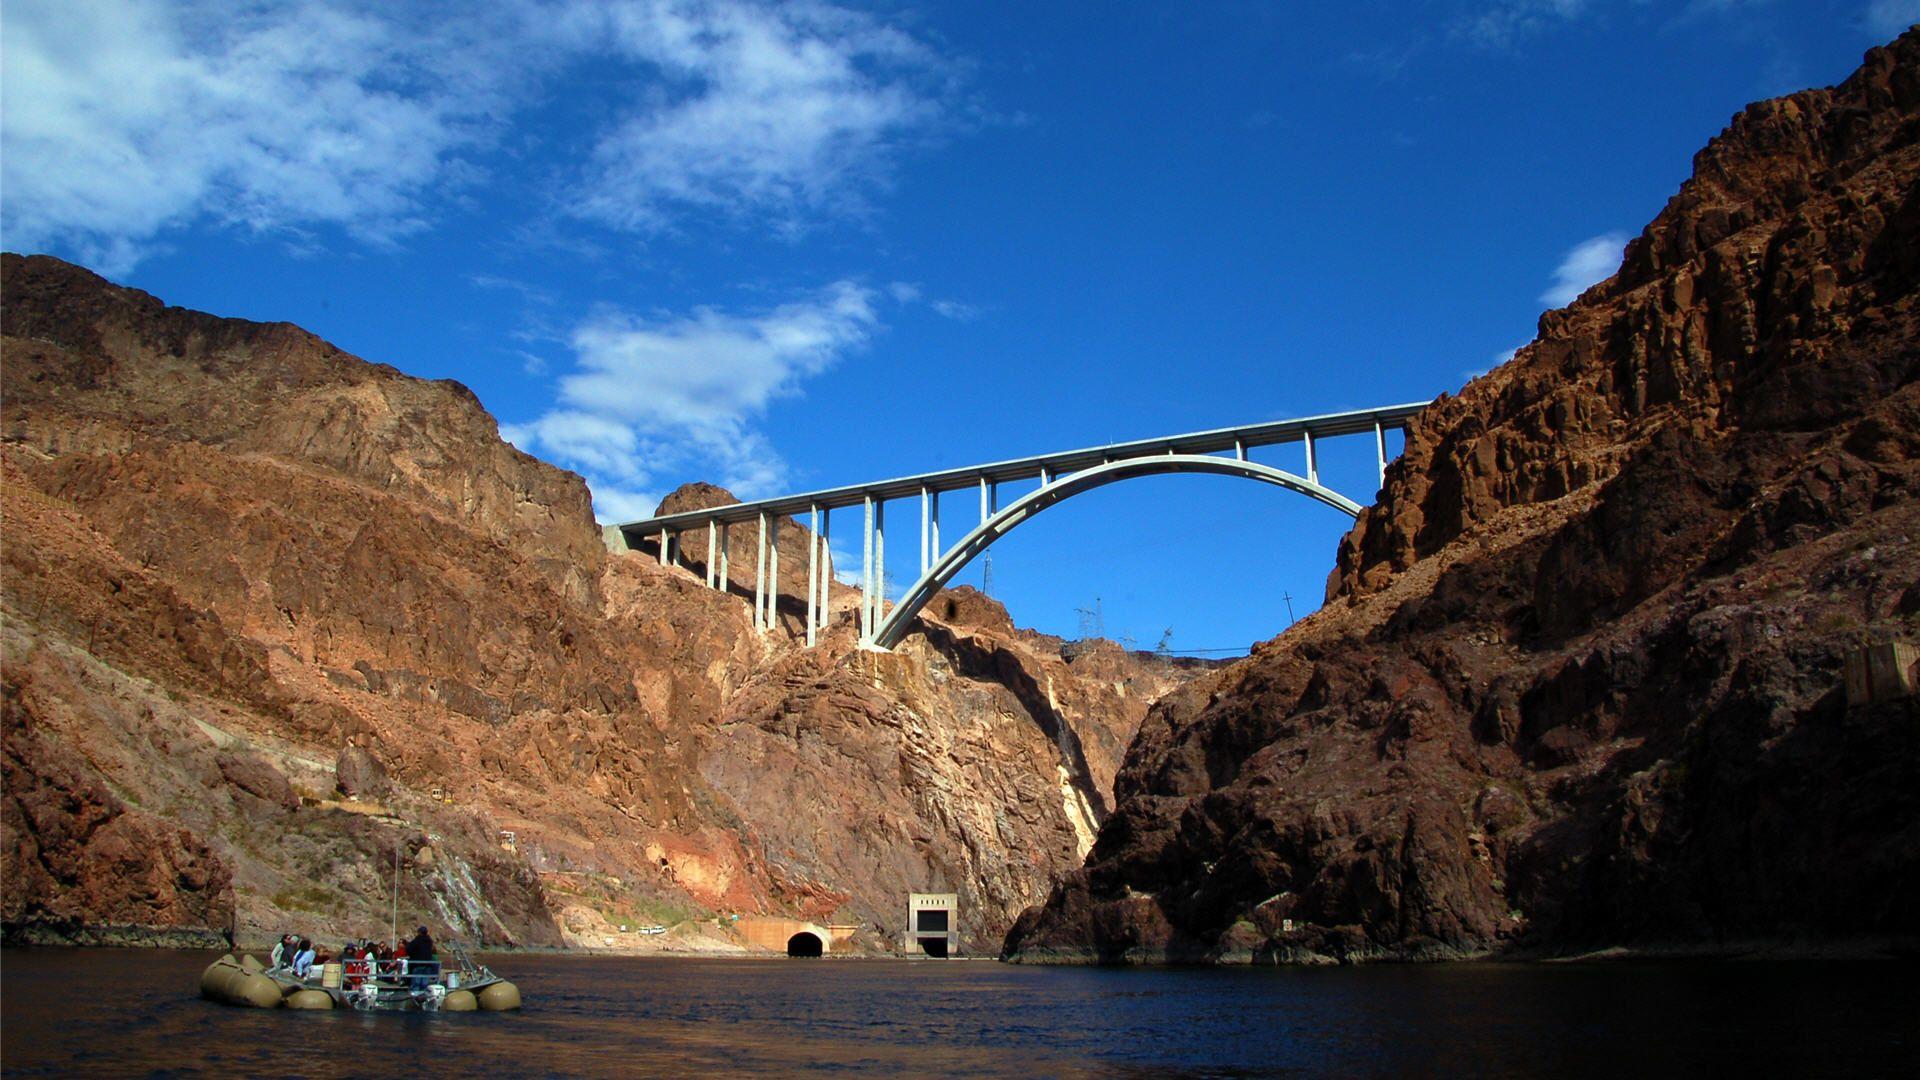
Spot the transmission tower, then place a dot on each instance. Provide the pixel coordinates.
(1093, 622)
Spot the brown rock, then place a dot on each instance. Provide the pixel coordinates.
(233, 549)
(1576, 683)
(359, 775)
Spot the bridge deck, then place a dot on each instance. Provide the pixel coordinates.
(1242, 438)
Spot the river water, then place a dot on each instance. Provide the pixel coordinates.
(136, 1013)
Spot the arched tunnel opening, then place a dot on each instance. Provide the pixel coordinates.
(934, 946)
(805, 944)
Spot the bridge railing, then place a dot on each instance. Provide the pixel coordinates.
(669, 531)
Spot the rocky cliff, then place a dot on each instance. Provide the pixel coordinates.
(1578, 680)
(275, 617)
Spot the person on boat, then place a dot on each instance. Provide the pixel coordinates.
(420, 957)
(400, 960)
(303, 960)
(282, 952)
(353, 965)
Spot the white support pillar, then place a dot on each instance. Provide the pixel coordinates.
(879, 562)
(760, 573)
(1313, 464)
(813, 568)
(826, 567)
(866, 574)
(712, 568)
(984, 512)
(663, 547)
(926, 523)
(726, 559)
(1380, 449)
(1240, 449)
(936, 529)
(773, 577)
(1046, 476)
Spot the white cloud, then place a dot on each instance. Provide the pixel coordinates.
(1590, 261)
(760, 110)
(125, 119)
(955, 310)
(651, 398)
(1498, 359)
(1891, 18)
(1499, 25)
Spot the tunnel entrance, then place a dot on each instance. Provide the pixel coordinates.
(804, 944)
(934, 946)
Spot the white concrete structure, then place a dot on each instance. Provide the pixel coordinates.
(1222, 451)
(933, 925)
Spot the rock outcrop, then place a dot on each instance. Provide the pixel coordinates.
(275, 618)
(1578, 680)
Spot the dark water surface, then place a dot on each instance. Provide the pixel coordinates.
(137, 1012)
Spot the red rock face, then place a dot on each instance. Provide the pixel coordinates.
(273, 614)
(1578, 679)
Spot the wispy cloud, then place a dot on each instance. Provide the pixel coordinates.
(955, 310)
(649, 398)
(1891, 18)
(125, 119)
(768, 112)
(1497, 360)
(1589, 262)
(1501, 24)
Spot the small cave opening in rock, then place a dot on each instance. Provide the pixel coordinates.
(934, 946)
(804, 944)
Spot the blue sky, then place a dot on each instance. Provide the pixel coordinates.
(782, 247)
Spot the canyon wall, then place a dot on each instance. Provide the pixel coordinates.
(1578, 680)
(281, 625)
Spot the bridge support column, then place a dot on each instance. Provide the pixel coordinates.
(760, 573)
(711, 529)
(1380, 449)
(813, 567)
(726, 570)
(926, 520)
(773, 576)
(826, 567)
(1313, 463)
(1240, 449)
(935, 541)
(866, 572)
(663, 547)
(879, 562)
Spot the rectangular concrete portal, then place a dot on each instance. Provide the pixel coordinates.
(933, 924)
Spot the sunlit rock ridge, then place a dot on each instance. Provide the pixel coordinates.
(1578, 683)
(272, 613)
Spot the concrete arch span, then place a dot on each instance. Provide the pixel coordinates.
(894, 628)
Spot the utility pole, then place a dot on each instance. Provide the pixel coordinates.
(1288, 597)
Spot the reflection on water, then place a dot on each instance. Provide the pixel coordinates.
(135, 1012)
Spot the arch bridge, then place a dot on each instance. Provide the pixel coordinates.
(1221, 451)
